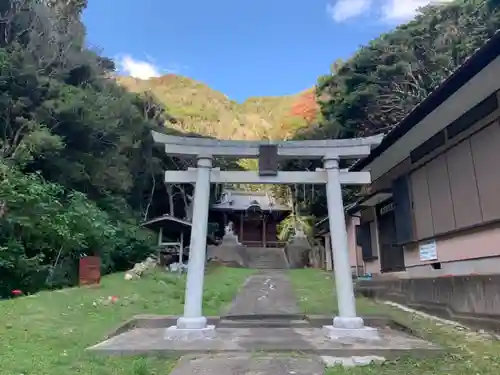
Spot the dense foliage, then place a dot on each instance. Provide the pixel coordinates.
(78, 165)
(45, 229)
(375, 89)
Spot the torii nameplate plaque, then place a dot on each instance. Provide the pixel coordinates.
(268, 160)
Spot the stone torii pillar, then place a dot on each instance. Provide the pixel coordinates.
(328, 253)
(193, 324)
(193, 318)
(347, 323)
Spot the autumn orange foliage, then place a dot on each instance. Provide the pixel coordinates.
(306, 107)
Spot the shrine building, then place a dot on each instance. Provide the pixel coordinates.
(255, 216)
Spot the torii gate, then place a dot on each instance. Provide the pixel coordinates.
(193, 324)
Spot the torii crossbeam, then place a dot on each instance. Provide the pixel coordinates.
(320, 176)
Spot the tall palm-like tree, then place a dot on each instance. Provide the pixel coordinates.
(295, 221)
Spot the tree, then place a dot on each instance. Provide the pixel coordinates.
(306, 107)
(375, 89)
(78, 166)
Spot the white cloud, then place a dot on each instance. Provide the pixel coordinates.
(404, 10)
(388, 10)
(138, 68)
(342, 10)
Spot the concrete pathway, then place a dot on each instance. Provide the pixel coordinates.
(264, 294)
(249, 365)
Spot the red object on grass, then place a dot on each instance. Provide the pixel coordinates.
(17, 292)
(90, 270)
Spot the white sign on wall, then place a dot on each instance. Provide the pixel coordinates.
(428, 251)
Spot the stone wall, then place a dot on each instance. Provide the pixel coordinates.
(471, 300)
(231, 255)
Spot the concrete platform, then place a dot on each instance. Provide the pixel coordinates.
(261, 333)
(249, 321)
(151, 341)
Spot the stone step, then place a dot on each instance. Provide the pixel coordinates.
(266, 258)
(265, 250)
(271, 265)
(264, 323)
(267, 261)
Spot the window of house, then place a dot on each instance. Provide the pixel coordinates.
(402, 209)
(480, 111)
(434, 142)
(374, 238)
(363, 240)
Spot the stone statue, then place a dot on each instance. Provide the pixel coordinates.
(228, 230)
(298, 249)
(229, 236)
(299, 233)
(229, 250)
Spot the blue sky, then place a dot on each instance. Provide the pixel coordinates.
(242, 48)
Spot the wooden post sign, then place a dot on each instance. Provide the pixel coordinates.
(90, 270)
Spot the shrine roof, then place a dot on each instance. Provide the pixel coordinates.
(173, 226)
(233, 200)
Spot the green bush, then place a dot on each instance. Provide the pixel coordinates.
(45, 230)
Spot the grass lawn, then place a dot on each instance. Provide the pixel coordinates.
(469, 353)
(46, 334)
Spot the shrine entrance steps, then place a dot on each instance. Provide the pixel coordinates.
(266, 258)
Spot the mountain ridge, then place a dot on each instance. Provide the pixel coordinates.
(197, 108)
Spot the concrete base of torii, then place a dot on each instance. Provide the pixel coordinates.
(350, 328)
(175, 333)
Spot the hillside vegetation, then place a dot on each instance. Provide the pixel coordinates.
(196, 108)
